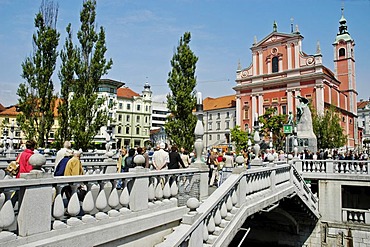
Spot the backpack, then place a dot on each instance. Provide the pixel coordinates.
(129, 162)
(59, 171)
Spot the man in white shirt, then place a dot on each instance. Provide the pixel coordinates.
(62, 152)
(160, 158)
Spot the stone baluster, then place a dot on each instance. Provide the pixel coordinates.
(367, 217)
(364, 166)
(124, 198)
(88, 205)
(361, 217)
(7, 217)
(205, 232)
(342, 165)
(101, 202)
(113, 200)
(166, 189)
(158, 190)
(151, 191)
(74, 208)
(174, 187)
(58, 209)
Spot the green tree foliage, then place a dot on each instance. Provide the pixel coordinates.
(181, 101)
(66, 77)
(240, 139)
(36, 95)
(327, 128)
(273, 123)
(86, 114)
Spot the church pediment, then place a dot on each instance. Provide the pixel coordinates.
(275, 37)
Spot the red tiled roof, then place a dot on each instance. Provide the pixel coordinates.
(9, 111)
(125, 92)
(362, 104)
(219, 103)
(2, 108)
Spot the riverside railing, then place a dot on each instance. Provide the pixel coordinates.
(43, 209)
(330, 166)
(241, 195)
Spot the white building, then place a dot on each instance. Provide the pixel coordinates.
(219, 119)
(363, 113)
(107, 90)
(160, 113)
(132, 126)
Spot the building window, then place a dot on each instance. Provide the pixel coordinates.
(128, 107)
(218, 137)
(138, 119)
(119, 117)
(146, 108)
(283, 109)
(210, 137)
(120, 105)
(146, 119)
(127, 130)
(127, 118)
(218, 126)
(218, 115)
(342, 52)
(227, 114)
(246, 113)
(343, 119)
(210, 117)
(137, 130)
(227, 125)
(210, 126)
(119, 130)
(275, 64)
(138, 107)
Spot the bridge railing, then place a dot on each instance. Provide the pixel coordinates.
(207, 224)
(42, 208)
(330, 166)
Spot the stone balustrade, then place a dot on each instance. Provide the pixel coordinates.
(43, 210)
(356, 216)
(330, 166)
(217, 219)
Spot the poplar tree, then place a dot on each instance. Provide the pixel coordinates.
(36, 94)
(181, 101)
(86, 114)
(66, 76)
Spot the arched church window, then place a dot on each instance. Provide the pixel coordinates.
(275, 64)
(342, 52)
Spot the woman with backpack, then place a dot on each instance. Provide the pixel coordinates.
(129, 160)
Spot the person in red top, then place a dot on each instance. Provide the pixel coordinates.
(24, 166)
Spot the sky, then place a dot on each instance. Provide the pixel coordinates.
(142, 35)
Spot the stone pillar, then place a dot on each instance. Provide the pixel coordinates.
(330, 205)
(290, 100)
(260, 104)
(139, 191)
(202, 179)
(289, 55)
(329, 166)
(254, 104)
(254, 54)
(260, 53)
(238, 111)
(35, 202)
(296, 53)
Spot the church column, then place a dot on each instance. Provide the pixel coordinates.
(290, 100)
(296, 53)
(254, 105)
(319, 98)
(297, 92)
(255, 63)
(238, 111)
(260, 104)
(280, 64)
(260, 53)
(289, 56)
